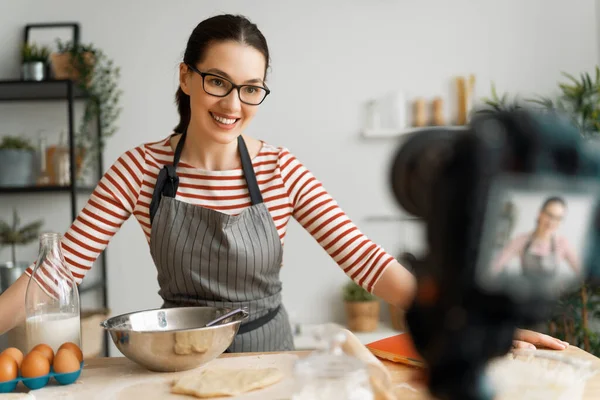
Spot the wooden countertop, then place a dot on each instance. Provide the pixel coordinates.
(103, 372)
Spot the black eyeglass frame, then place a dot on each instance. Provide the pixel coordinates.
(233, 86)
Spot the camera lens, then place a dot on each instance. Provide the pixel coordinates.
(415, 166)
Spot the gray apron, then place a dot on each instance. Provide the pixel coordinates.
(536, 266)
(207, 258)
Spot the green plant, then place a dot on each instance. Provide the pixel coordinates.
(15, 143)
(571, 320)
(34, 53)
(579, 99)
(498, 103)
(354, 292)
(14, 234)
(98, 77)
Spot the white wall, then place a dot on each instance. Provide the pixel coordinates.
(329, 58)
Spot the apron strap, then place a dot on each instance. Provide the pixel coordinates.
(255, 195)
(257, 323)
(167, 181)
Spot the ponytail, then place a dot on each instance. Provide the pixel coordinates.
(184, 108)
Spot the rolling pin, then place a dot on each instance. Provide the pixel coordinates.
(380, 377)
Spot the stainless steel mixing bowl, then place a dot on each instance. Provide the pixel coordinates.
(173, 339)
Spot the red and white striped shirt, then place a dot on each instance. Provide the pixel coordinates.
(288, 189)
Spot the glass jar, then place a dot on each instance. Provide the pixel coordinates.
(330, 373)
(52, 298)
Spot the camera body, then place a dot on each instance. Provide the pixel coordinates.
(461, 184)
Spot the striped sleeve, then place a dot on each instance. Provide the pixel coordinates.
(109, 206)
(361, 259)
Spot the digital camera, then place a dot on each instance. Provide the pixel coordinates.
(510, 206)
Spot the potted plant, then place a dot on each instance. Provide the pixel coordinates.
(12, 234)
(97, 76)
(362, 308)
(34, 60)
(16, 161)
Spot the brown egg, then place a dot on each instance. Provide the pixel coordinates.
(65, 361)
(16, 354)
(35, 364)
(45, 350)
(8, 368)
(73, 348)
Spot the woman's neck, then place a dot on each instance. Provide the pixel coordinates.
(541, 235)
(203, 153)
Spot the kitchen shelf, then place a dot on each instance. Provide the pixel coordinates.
(395, 133)
(45, 189)
(66, 92)
(20, 90)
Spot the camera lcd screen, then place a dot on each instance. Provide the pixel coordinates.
(535, 235)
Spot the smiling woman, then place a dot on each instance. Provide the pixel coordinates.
(214, 203)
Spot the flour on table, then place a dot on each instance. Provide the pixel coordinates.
(226, 382)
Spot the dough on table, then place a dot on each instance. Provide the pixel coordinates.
(226, 381)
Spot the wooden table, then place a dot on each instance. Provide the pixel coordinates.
(99, 373)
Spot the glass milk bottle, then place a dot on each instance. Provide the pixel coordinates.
(52, 298)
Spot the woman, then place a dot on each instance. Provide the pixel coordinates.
(214, 203)
(541, 251)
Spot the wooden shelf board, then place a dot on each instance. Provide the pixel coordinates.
(42, 189)
(19, 90)
(393, 133)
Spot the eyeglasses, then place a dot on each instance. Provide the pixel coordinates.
(218, 86)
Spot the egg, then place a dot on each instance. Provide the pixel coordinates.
(73, 348)
(35, 364)
(65, 361)
(46, 351)
(16, 354)
(8, 368)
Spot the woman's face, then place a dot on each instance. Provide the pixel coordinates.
(551, 217)
(223, 119)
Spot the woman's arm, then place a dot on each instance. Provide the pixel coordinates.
(109, 206)
(12, 305)
(513, 248)
(570, 255)
(319, 214)
(396, 285)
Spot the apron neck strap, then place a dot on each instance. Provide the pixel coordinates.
(255, 195)
(179, 149)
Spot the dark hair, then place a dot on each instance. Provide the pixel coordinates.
(217, 29)
(553, 199)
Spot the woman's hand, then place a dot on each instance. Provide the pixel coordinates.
(526, 339)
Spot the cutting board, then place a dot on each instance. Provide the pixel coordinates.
(398, 348)
(117, 381)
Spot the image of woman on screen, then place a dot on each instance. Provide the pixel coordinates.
(540, 251)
